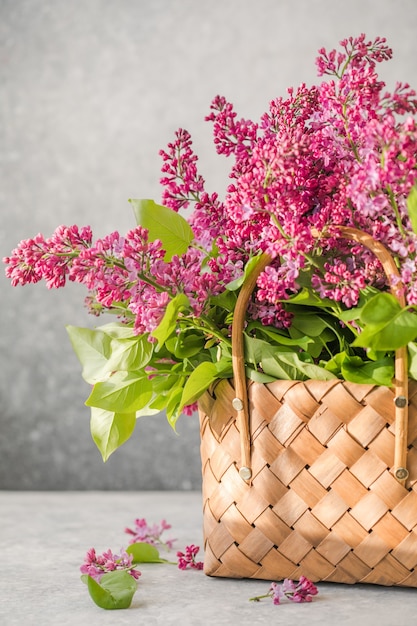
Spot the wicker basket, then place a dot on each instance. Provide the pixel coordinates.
(310, 478)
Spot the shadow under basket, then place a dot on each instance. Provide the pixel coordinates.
(322, 500)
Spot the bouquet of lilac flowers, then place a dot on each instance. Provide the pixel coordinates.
(342, 153)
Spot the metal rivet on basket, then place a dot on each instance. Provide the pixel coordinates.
(401, 473)
(400, 402)
(245, 473)
(237, 404)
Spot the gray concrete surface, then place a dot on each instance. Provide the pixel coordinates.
(44, 537)
(90, 90)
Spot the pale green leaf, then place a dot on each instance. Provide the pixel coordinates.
(118, 330)
(308, 297)
(143, 552)
(412, 360)
(357, 370)
(173, 406)
(380, 309)
(412, 208)
(201, 378)
(279, 337)
(114, 591)
(185, 344)
(123, 392)
(387, 325)
(249, 267)
(307, 324)
(110, 430)
(305, 369)
(259, 377)
(130, 354)
(164, 224)
(381, 372)
(93, 349)
(169, 321)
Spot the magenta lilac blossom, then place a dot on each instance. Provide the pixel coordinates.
(95, 565)
(150, 533)
(343, 152)
(187, 559)
(301, 591)
(337, 155)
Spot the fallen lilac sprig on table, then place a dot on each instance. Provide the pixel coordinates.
(187, 559)
(112, 578)
(97, 565)
(143, 532)
(301, 591)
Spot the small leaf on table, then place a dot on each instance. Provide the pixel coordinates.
(114, 591)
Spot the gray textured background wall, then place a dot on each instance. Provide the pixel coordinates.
(90, 90)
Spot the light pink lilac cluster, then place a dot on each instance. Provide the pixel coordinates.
(150, 533)
(187, 559)
(95, 565)
(343, 152)
(301, 591)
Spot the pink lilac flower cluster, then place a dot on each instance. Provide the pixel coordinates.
(95, 565)
(115, 270)
(343, 152)
(144, 532)
(187, 559)
(301, 591)
(340, 153)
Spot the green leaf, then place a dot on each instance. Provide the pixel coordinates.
(303, 341)
(173, 405)
(257, 349)
(334, 364)
(130, 354)
(308, 297)
(108, 349)
(387, 325)
(281, 362)
(309, 324)
(123, 392)
(263, 356)
(412, 208)
(115, 590)
(110, 430)
(350, 314)
(355, 313)
(259, 377)
(185, 345)
(154, 408)
(164, 224)
(169, 321)
(163, 383)
(93, 349)
(357, 370)
(380, 309)
(144, 553)
(238, 282)
(412, 360)
(304, 367)
(225, 300)
(118, 330)
(201, 378)
(381, 372)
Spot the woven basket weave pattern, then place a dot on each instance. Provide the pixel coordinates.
(322, 501)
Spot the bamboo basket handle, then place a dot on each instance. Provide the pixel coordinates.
(240, 402)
